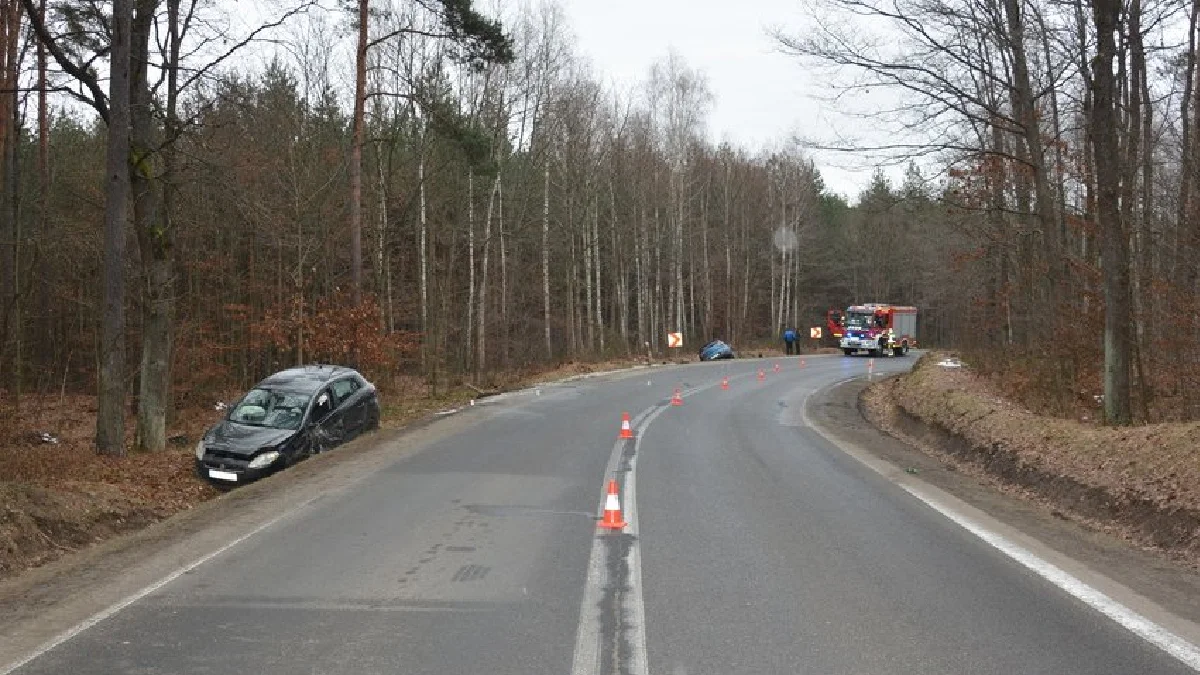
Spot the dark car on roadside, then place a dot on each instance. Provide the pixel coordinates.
(291, 415)
(715, 351)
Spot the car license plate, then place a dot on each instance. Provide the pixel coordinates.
(222, 475)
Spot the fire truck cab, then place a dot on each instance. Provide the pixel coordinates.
(879, 329)
(834, 321)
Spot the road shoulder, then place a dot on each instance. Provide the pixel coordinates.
(1170, 586)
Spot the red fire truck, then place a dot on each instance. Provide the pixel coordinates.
(833, 325)
(879, 329)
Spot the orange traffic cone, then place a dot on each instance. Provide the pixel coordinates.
(626, 429)
(761, 375)
(676, 399)
(777, 367)
(613, 520)
(725, 383)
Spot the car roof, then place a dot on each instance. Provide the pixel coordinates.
(307, 379)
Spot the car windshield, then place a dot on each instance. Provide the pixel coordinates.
(270, 408)
(859, 321)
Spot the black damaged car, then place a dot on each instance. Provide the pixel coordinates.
(291, 415)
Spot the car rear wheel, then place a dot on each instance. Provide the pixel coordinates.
(848, 352)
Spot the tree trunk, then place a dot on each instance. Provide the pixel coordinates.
(745, 275)
(10, 25)
(43, 160)
(728, 259)
(1137, 106)
(588, 311)
(381, 232)
(598, 309)
(1186, 158)
(678, 325)
(1114, 245)
(503, 274)
(356, 152)
(573, 320)
(423, 245)
(660, 317)
(481, 344)
(622, 275)
(110, 417)
(149, 173)
(546, 259)
(12, 189)
(707, 323)
(641, 257)
(1023, 106)
(469, 343)
(1147, 324)
(1056, 122)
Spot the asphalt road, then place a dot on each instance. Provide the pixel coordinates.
(754, 546)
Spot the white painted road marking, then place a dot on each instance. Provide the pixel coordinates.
(1093, 597)
(1157, 635)
(147, 590)
(639, 661)
(587, 656)
(586, 660)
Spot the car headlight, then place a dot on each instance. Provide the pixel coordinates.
(264, 459)
(200, 449)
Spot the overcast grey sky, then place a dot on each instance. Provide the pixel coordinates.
(763, 97)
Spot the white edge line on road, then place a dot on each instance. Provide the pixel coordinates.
(1139, 625)
(138, 595)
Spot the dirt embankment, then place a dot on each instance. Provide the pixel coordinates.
(1140, 483)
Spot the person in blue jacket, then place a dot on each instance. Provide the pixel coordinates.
(789, 339)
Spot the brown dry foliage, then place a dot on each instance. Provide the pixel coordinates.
(336, 331)
(58, 497)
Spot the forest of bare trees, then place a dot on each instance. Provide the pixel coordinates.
(413, 186)
(1064, 137)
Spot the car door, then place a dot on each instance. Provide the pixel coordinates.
(350, 405)
(326, 420)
